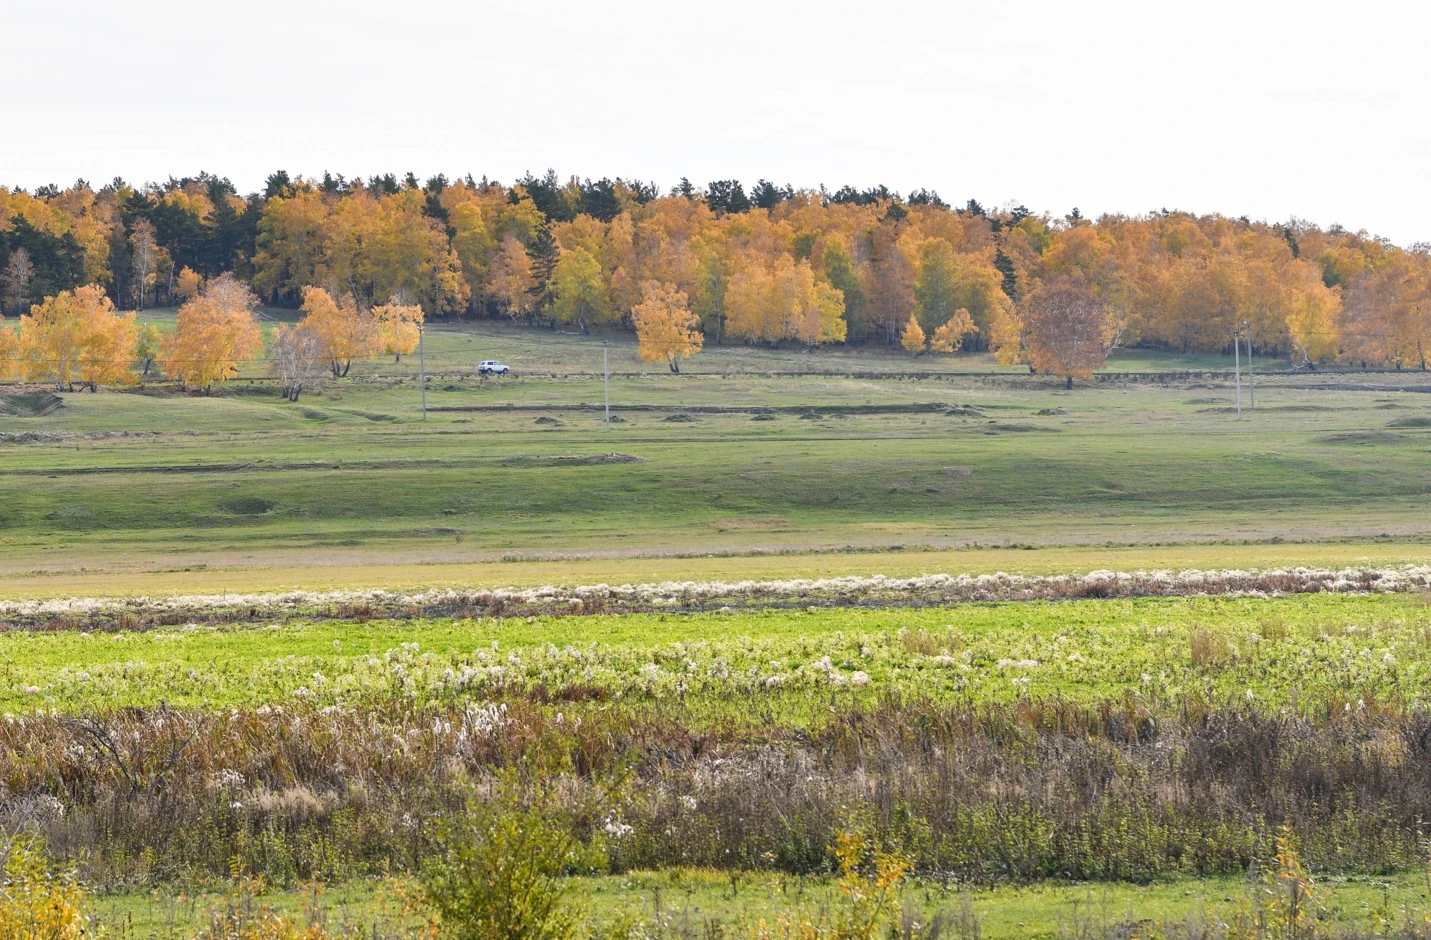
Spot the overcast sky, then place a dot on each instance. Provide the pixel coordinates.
(1268, 109)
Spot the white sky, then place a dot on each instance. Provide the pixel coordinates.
(1315, 109)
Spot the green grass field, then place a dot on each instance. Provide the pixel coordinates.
(694, 898)
(743, 665)
(126, 488)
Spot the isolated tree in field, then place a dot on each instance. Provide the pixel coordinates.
(578, 289)
(347, 332)
(217, 333)
(144, 256)
(1065, 329)
(665, 327)
(913, 338)
(147, 347)
(19, 273)
(950, 335)
(77, 336)
(299, 359)
(399, 327)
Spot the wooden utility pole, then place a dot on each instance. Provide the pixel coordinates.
(606, 383)
(422, 371)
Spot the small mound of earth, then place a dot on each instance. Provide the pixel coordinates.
(30, 406)
(763, 416)
(963, 411)
(1049, 412)
(569, 460)
(617, 419)
(679, 417)
(246, 505)
(956, 471)
(32, 437)
(544, 419)
(1014, 428)
(1360, 438)
(1410, 421)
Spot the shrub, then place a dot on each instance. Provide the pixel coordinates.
(869, 896)
(36, 904)
(501, 872)
(1274, 629)
(1209, 648)
(242, 917)
(933, 642)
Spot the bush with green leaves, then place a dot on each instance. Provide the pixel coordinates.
(503, 866)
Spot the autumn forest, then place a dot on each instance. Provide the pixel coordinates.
(368, 260)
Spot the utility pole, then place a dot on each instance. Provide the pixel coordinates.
(422, 371)
(606, 382)
(1237, 368)
(1251, 389)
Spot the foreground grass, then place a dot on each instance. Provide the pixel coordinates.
(1123, 741)
(691, 899)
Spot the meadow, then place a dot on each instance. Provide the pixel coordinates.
(266, 653)
(1062, 751)
(742, 455)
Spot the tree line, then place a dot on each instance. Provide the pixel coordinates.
(766, 264)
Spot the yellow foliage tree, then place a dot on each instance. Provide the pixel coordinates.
(950, 335)
(8, 347)
(292, 238)
(77, 336)
(188, 284)
(399, 327)
(1066, 329)
(750, 302)
(913, 338)
(579, 291)
(665, 327)
(347, 332)
(1389, 313)
(217, 332)
(509, 282)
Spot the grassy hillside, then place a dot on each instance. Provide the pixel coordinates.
(733, 461)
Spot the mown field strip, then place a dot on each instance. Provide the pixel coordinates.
(695, 596)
